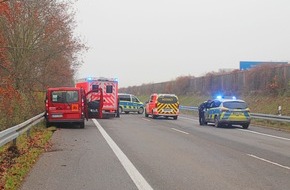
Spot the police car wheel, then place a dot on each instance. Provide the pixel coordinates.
(140, 110)
(120, 110)
(216, 122)
(245, 126)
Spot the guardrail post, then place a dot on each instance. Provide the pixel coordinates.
(28, 133)
(14, 142)
(279, 110)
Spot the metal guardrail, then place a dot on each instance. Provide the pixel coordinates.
(271, 117)
(12, 133)
(253, 115)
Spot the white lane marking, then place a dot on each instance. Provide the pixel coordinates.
(274, 163)
(146, 119)
(188, 118)
(138, 179)
(273, 136)
(180, 131)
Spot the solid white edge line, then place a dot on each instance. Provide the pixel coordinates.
(273, 136)
(268, 161)
(137, 178)
(180, 131)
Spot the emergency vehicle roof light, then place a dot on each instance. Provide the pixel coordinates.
(219, 97)
(234, 98)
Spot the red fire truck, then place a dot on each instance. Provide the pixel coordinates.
(109, 88)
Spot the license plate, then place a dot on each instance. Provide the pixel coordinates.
(238, 113)
(56, 115)
(167, 110)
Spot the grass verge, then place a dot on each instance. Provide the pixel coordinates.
(17, 160)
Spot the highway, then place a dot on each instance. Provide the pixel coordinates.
(134, 152)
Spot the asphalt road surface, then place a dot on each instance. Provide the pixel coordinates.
(134, 152)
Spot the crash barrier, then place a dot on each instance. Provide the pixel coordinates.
(12, 133)
(253, 115)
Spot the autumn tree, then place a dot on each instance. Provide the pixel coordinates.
(40, 43)
(37, 48)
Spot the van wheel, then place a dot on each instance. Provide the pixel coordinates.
(140, 110)
(175, 117)
(126, 112)
(146, 114)
(47, 124)
(154, 116)
(82, 125)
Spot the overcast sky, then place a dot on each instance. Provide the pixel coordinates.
(153, 41)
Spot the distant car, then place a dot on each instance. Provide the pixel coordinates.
(228, 112)
(130, 103)
(166, 105)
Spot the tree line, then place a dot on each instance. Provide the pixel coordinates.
(265, 79)
(38, 49)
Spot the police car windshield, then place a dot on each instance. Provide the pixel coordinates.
(235, 105)
(167, 99)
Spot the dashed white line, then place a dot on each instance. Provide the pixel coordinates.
(268, 161)
(273, 136)
(137, 178)
(180, 131)
(188, 118)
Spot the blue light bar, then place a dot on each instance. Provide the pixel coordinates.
(219, 97)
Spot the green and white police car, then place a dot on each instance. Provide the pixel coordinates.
(228, 112)
(130, 103)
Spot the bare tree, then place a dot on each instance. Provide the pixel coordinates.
(40, 42)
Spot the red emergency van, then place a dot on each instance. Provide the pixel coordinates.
(109, 88)
(65, 105)
(165, 105)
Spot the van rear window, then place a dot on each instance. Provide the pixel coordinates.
(167, 99)
(64, 96)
